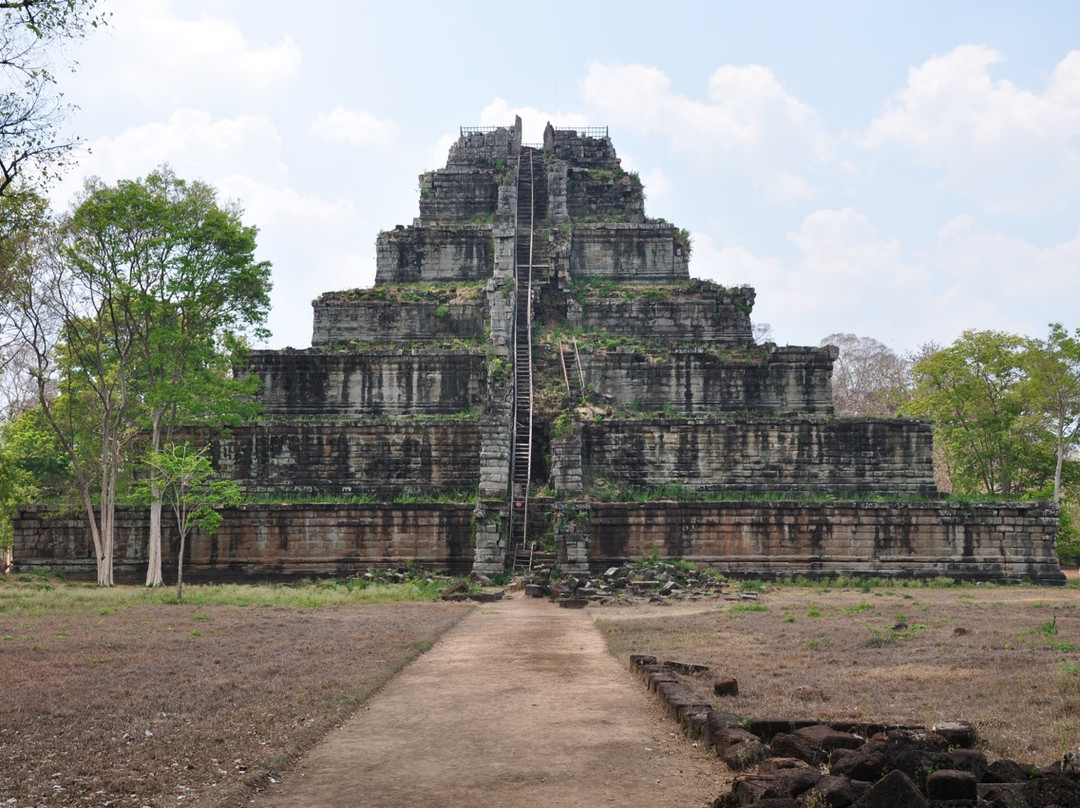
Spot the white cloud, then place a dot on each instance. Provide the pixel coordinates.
(315, 243)
(355, 127)
(154, 55)
(748, 124)
(1008, 149)
(193, 142)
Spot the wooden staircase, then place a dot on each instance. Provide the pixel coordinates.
(519, 554)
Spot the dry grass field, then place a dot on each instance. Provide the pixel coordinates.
(119, 697)
(124, 697)
(1006, 658)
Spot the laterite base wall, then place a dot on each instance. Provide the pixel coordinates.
(260, 541)
(996, 541)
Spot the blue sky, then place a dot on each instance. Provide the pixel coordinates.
(901, 171)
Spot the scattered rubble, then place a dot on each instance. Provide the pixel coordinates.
(645, 580)
(802, 763)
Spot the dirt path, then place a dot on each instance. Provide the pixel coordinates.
(519, 704)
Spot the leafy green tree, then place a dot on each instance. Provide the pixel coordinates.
(33, 466)
(186, 480)
(31, 31)
(1053, 390)
(990, 435)
(132, 310)
(196, 294)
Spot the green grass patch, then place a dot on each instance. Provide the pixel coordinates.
(19, 601)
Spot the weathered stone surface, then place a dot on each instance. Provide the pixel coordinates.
(891, 791)
(956, 733)
(690, 313)
(387, 382)
(718, 721)
(639, 251)
(267, 541)
(434, 254)
(837, 792)
(792, 745)
(737, 747)
(969, 760)
(378, 456)
(1009, 771)
(950, 784)
(680, 699)
(726, 686)
(1003, 541)
(340, 319)
(692, 668)
(697, 381)
(827, 739)
(794, 454)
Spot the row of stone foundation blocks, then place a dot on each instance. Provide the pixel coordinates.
(801, 763)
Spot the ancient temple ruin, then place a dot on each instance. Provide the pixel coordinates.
(535, 368)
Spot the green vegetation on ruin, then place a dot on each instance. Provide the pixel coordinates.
(440, 293)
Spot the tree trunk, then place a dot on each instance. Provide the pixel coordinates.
(180, 567)
(153, 565)
(153, 562)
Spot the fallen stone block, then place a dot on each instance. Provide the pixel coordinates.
(638, 660)
(828, 739)
(893, 790)
(738, 748)
(956, 733)
(793, 746)
(726, 686)
(837, 792)
(717, 721)
(950, 784)
(969, 760)
(657, 677)
(766, 728)
(689, 668)
(1009, 771)
(680, 699)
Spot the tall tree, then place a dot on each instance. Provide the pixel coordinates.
(869, 378)
(196, 294)
(31, 33)
(973, 390)
(1053, 388)
(133, 309)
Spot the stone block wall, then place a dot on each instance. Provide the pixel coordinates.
(845, 457)
(387, 382)
(339, 320)
(690, 381)
(482, 149)
(386, 458)
(645, 252)
(457, 194)
(259, 541)
(492, 525)
(435, 254)
(581, 150)
(988, 541)
(604, 194)
(703, 315)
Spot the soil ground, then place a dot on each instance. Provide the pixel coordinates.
(519, 703)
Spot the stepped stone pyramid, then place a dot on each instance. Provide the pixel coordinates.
(535, 368)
